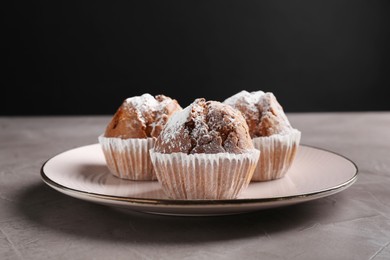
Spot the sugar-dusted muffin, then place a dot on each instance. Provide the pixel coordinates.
(131, 133)
(271, 132)
(205, 152)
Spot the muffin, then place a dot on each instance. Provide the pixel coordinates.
(132, 132)
(204, 152)
(270, 130)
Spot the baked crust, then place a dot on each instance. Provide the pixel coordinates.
(263, 113)
(141, 117)
(205, 127)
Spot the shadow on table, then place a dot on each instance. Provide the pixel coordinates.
(61, 213)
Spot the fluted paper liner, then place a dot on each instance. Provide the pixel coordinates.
(277, 153)
(128, 158)
(204, 176)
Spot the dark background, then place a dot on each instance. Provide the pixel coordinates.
(79, 57)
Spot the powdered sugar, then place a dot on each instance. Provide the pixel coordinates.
(249, 99)
(198, 114)
(143, 103)
(244, 97)
(175, 124)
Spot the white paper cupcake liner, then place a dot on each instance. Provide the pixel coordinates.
(204, 176)
(128, 158)
(277, 152)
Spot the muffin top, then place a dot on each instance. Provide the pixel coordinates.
(205, 127)
(141, 117)
(263, 113)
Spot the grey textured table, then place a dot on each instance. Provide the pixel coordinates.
(37, 222)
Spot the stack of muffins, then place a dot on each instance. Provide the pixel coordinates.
(209, 150)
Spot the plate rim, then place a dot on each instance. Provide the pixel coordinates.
(194, 203)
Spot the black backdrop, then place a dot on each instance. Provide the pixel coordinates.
(85, 57)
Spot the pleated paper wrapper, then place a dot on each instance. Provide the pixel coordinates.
(277, 153)
(204, 176)
(129, 158)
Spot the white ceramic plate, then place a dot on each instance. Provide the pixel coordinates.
(82, 173)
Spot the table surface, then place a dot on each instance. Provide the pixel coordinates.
(37, 222)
